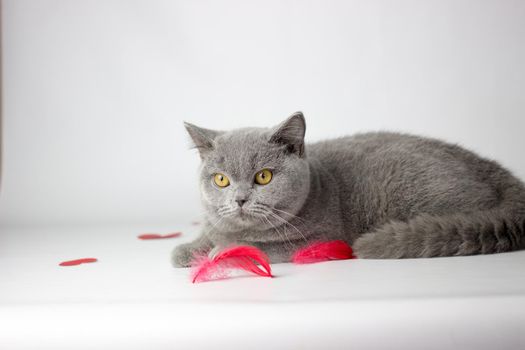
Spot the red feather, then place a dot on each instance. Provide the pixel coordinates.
(237, 257)
(323, 251)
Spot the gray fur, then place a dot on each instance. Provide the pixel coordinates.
(389, 195)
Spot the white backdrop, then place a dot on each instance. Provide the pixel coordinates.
(95, 92)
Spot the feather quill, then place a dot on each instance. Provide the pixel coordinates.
(323, 251)
(245, 258)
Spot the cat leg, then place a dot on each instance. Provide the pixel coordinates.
(183, 254)
(277, 252)
(380, 244)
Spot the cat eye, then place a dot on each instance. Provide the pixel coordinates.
(221, 180)
(263, 177)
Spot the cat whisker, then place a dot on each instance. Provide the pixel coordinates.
(288, 223)
(266, 212)
(283, 236)
(229, 214)
(221, 210)
(213, 226)
(203, 237)
(260, 205)
(227, 211)
(290, 214)
(281, 219)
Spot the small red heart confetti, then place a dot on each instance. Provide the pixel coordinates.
(78, 262)
(159, 236)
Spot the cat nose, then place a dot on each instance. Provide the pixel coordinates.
(240, 202)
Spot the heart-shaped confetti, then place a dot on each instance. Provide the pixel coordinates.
(78, 262)
(158, 236)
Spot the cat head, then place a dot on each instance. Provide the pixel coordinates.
(253, 178)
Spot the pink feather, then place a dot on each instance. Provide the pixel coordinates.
(323, 251)
(237, 257)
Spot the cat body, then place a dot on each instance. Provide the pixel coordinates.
(389, 195)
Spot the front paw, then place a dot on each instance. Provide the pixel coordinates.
(183, 254)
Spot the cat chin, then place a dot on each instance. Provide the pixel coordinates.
(244, 222)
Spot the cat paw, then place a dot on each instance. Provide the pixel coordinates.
(182, 255)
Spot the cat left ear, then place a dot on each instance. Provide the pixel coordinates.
(291, 133)
(203, 139)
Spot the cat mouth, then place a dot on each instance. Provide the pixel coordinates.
(245, 214)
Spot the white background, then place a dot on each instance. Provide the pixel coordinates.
(94, 95)
(95, 92)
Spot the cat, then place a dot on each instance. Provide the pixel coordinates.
(389, 195)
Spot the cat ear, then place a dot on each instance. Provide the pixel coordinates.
(203, 139)
(291, 133)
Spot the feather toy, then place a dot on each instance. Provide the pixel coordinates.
(245, 258)
(323, 251)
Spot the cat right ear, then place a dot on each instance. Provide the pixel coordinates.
(291, 133)
(203, 139)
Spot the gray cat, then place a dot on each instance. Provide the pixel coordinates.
(388, 195)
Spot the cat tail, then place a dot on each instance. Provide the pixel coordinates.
(496, 230)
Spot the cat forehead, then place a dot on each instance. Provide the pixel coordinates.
(242, 138)
(245, 149)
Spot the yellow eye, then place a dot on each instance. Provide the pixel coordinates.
(221, 180)
(263, 177)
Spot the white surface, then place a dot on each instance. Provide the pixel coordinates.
(132, 297)
(95, 92)
(132, 270)
(474, 323)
